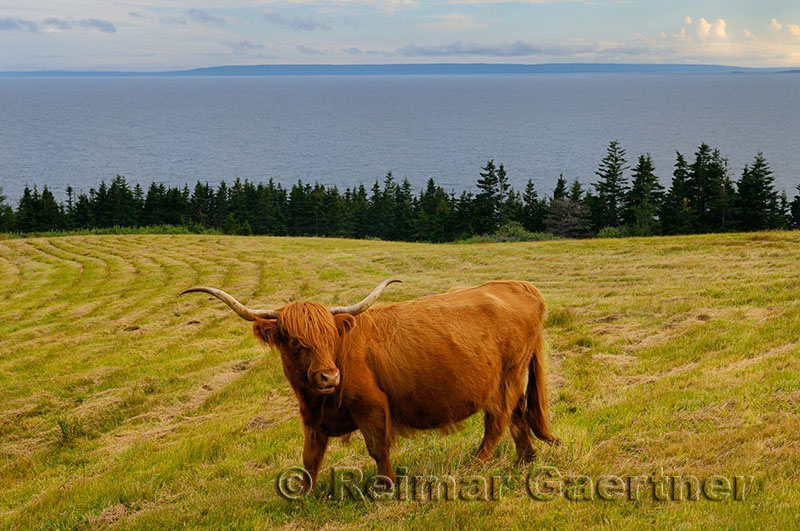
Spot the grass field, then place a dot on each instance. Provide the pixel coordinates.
(124, 405)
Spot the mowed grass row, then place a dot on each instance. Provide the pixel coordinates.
(124, 405)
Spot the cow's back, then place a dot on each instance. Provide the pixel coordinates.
(439, 358)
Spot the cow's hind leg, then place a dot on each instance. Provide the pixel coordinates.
(520, 432)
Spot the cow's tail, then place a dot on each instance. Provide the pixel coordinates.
(537, 404)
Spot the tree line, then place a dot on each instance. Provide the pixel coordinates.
(702, 198)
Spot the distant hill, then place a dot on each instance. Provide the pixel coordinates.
(407, 69)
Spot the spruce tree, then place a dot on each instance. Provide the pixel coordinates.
(560, 191)
(575, 193)
(533, 209)
(567, 219)
(611, 187)
(677, 208)
(50, 215)
(488, 201)
(794, 210)
(757, 200)
(643, 201)
(710, 191)
(6, 214)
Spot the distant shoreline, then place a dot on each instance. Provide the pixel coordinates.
(411, 69)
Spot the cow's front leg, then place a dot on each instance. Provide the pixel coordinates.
(313, 451)
(376, 426)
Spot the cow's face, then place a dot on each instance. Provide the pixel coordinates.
(307, 335)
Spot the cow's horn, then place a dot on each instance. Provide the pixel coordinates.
(356, 309)
(243, 311)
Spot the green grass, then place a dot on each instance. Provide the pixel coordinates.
(124, 405)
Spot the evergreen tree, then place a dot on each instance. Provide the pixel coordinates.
(575, 193)
(464, 219)
(643, 201)
(49, 214)
(611, 188)
(6, 214)
(489, 200)
(567, 219)
(794, 210)
(757, 200)
(201, 205)
(434, 214)
(710, 192)
(27, 211)
(676, 209)
(560, 191)
(220, 210)
(533, 209)
(361, 212)
(404, 212)
(82, 217)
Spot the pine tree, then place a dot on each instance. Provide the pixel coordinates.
(794, 210)
(567, 219)
(757, 200)
(643, 201)
(26, 215)
(6, 214)
(560, 191)
(611, 187)
(489, 200)
(404, 211)
(361, 211)
(710, 192)
(82, 216)
(533, 209)
(677, 208)
(434, 214)
(49, 215)
(575, 193)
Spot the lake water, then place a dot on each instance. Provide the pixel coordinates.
(347, 130)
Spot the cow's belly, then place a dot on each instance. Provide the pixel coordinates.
(441, 404)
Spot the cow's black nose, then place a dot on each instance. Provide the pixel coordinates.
(324, 379)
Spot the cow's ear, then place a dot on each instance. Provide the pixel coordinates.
(266, 331)
(344, 323)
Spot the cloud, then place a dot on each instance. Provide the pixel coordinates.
(588, 2)
(100, 25)
(308, 50)
(135, 14)
(295, 23)
(513, 49)
(452, 22)
(358, 51)
(10, 24)
(777, 26)
(243, 46)
(705, 29)
(201, 17)
(794, 29)
(57, 24)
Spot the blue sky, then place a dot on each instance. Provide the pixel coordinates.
(163, 35)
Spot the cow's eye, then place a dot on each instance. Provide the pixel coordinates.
(295, 344)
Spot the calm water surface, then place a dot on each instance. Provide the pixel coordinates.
(351, 130)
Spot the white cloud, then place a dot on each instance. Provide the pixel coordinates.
(794, 29)
(777, 26)
(452, 22)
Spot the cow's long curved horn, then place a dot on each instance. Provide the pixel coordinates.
(356, 309)
(243, 311)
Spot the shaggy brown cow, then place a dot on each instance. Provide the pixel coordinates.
(421, 364)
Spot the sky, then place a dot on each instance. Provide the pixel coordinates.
(154, 35)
